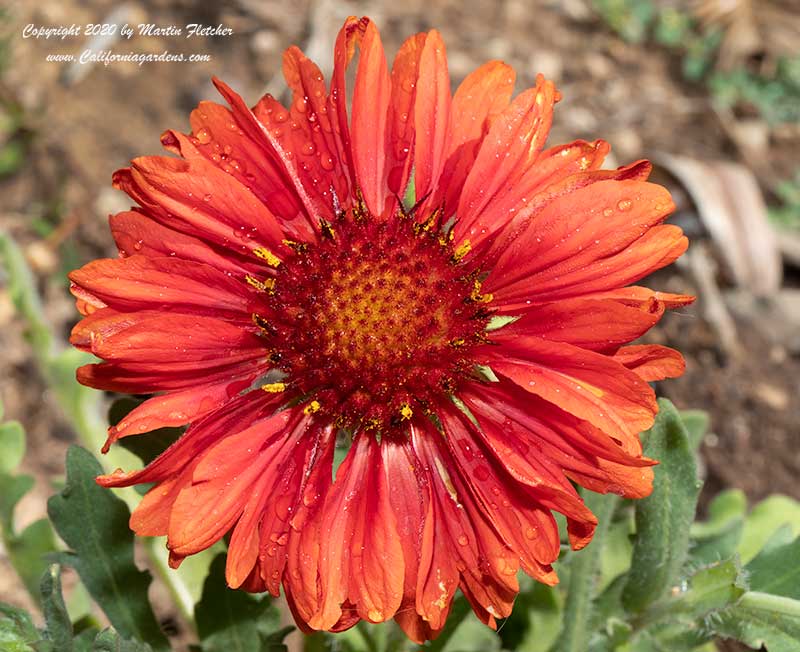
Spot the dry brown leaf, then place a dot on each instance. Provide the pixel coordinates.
(732, 208)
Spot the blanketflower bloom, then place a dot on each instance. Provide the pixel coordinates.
(276, 293)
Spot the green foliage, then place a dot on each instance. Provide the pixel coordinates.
(94, 523)
(663, 519)
(27, 549)
(775, 97)
(234, 621)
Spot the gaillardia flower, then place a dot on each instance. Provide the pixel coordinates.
(279, 292)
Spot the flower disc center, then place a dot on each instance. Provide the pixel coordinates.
(375, 321)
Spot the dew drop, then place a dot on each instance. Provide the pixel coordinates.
(481, 473)
(308, 148)
(624, 204)
(608, 212)
(281, 116)
(326, 161)
(207, 197)
(203, 136)
(463, 540)
(137, 245)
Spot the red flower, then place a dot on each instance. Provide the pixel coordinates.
(276, 295)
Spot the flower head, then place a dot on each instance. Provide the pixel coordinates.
(277, 295)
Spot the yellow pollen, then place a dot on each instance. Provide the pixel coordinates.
(274, 388)
(476, 295)
(462, 250)
(406, 412)
(312, 407)
(267, 285)
(457, 342)
(297, 246)
(267, 256)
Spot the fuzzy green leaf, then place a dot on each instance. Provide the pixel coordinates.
(696, 423)
(718, 537)
(760, 619)
(777, 570)
(764, 520)
(94, 523)
(58, 626)
(663, 519)
(17, 632)
(229, 621)
(110, 641)
(28, 553)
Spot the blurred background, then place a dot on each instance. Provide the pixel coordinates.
(709, 90)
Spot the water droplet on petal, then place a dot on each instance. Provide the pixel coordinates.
(624, 204)
(608, 212)
(203, 136)
(463, 540)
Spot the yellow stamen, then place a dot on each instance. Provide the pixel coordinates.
(327, 229)
(462, 250)
(266, 255)
(274, 388)
(406, 412)
(299, 247)
(312, 407)
(476, 295)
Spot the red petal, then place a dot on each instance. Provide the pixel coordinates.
(482, 96)
(405, 74)
(351, 34)
(137, 233)
(431, 115)
(509, 149)
(267, 136)
(218, 137)
(515, 510)
(361, 559)
(144, 283)
(586, 384)
(588, 323)
(652, 362)
(221, 485)
(176, 409)
(195, 197)
(371, 97)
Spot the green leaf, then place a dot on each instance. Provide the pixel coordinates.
(58, 626)
(764, 520)
(17, 632)
(94, 523)
(696, 423)
(718, 537)
(110, 641)
(777, 570)
(12, 446)
(12, 489)
(539, 609)
(22, 289)
(663, 519)
(760, 619)
(228, 620)
(274, 642)
(28, 553)
(584, 574)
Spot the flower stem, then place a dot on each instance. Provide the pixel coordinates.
(584, 571)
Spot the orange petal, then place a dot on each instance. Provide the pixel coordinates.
(652, 361)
